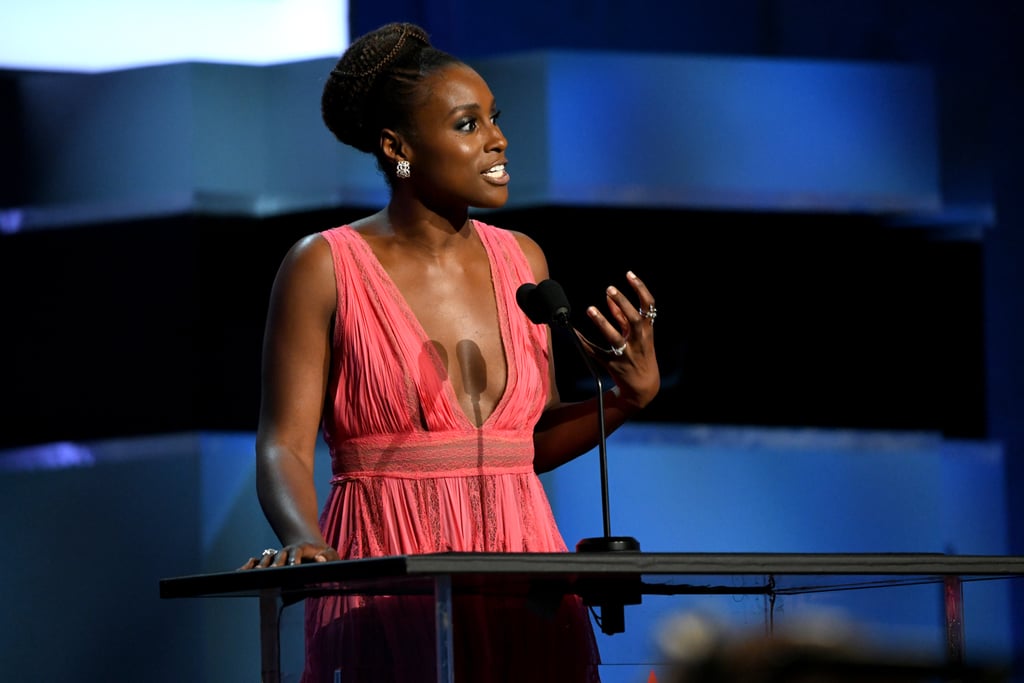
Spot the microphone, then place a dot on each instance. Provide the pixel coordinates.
(546, 303)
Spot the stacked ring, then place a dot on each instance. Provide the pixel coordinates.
(269, 551)
(651, 313)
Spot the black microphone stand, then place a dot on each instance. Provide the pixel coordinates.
(607, 542)
(611, 597)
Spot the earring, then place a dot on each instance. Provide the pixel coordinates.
(402, 169)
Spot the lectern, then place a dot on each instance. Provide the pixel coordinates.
(601, 579)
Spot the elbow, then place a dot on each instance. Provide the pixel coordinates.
(540, 467)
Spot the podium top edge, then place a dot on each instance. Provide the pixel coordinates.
(571, 567)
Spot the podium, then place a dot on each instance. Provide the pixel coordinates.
(606, 581)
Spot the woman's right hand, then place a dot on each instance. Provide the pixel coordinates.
(292, 554)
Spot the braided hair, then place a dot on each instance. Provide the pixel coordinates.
(375, 84)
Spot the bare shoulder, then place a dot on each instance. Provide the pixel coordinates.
(308, 252)
(534, 254)
(308, 268)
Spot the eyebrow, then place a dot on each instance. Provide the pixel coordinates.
(472, 106)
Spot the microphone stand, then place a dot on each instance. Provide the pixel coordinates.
(611, 598)
(607, 542)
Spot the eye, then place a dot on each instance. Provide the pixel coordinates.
(466, 125)
(495, 116)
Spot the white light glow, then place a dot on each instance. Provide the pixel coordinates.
(103, 35)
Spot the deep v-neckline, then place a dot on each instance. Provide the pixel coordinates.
(402, 305)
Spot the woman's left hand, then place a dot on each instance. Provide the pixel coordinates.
(629, 357)
(299, 553)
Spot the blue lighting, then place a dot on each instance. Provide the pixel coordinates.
(110, 34)
(54, 456)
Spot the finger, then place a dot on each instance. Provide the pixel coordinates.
(611, 332)
(625, 312)
(268, 557)
(327, 555)
(304, 553)
(618, 304)
(253, 563)
(616, 339)
(647, 311)
(646, 297)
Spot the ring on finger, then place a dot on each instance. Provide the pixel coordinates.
(651, 313)
(618, 350)
(269, 551)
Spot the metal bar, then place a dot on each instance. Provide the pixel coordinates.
(270, 643)
(953, 599)
(445, 628)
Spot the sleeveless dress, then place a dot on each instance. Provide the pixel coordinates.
(412, 474)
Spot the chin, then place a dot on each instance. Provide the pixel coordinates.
(494, 202)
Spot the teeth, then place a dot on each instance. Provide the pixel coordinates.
(495, 170)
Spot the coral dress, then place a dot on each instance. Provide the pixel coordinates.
(412, 474)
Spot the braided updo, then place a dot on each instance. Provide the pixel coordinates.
(375, 84)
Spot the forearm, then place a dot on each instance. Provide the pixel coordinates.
(569, 430)
(286, 491)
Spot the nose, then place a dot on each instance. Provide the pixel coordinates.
(498, 142)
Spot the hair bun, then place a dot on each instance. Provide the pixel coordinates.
(353, 76)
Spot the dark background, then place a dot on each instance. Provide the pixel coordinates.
(776, 319)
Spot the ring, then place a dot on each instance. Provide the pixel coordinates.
(617, 350)
(269, 551)
(651, 313)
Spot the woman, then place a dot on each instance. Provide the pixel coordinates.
(399, 336)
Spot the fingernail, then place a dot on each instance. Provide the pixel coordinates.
(612, 291)
(631, 275)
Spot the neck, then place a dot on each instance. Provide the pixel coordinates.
(422, 233)
(426, 227)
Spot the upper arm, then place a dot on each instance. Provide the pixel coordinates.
(539, 265)
(296, 349)
(534, 255)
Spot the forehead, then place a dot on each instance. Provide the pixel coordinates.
(456, 86)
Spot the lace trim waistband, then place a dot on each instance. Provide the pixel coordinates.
(431, 454)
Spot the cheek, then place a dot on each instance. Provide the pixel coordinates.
(448, 157)
(457, 160)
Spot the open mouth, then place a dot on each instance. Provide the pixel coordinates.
(495, 171)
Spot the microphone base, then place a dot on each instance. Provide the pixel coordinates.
(605, 544)
(612, 594)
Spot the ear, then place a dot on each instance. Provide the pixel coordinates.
(391, 145)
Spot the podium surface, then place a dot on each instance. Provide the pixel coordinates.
(606, 580)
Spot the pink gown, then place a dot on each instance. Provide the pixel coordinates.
(412, 474)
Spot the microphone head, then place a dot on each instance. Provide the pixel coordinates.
(544, 303)
(528, 302)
